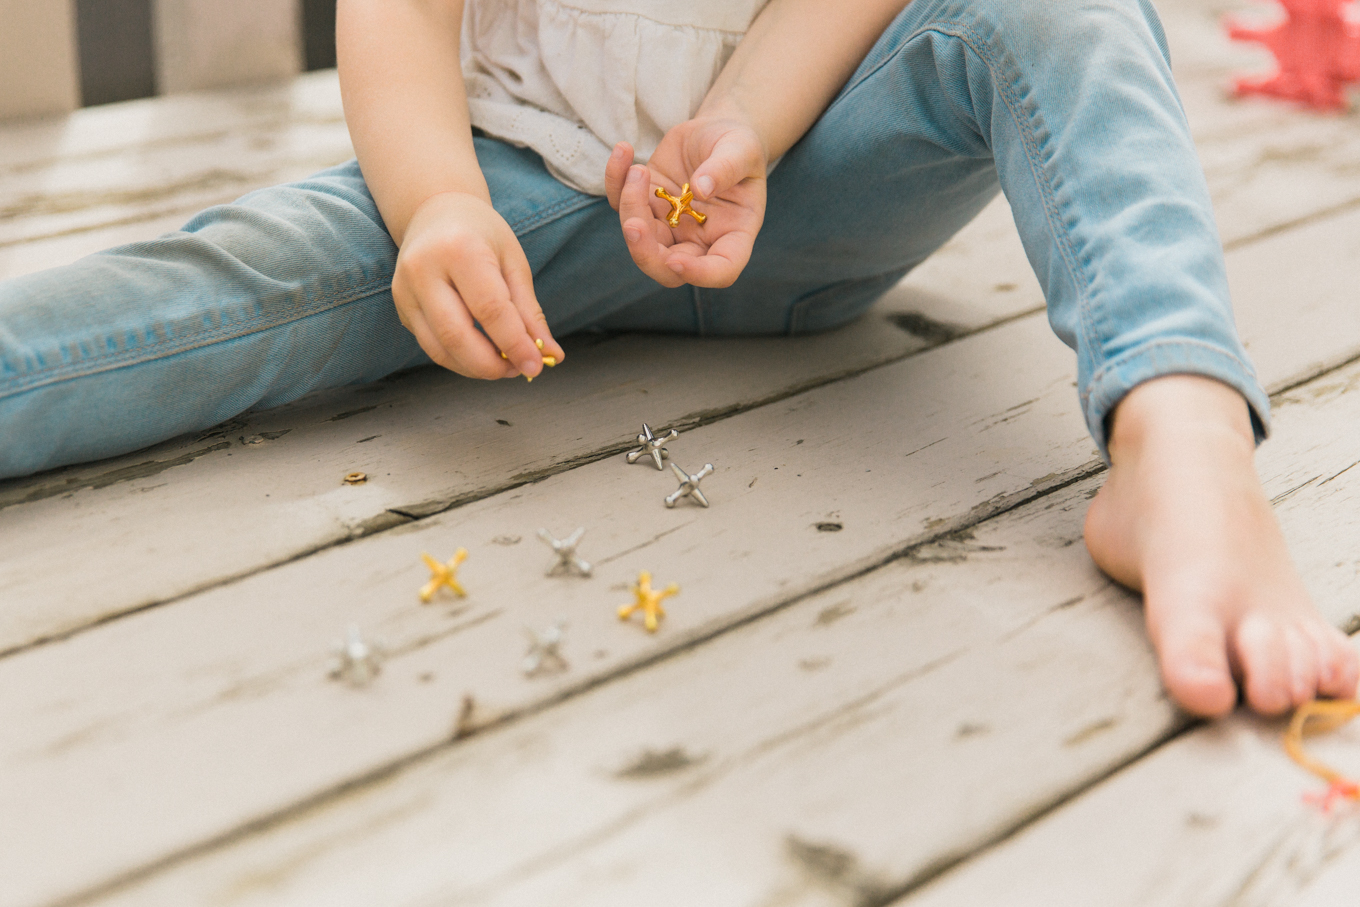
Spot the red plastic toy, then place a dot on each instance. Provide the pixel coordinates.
(1317, 49)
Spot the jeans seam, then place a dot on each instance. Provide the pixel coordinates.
(1034, 157)
(970, 38)
(1142, 350)
(254, 324)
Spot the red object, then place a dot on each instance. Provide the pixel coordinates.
(1318, 52)
(1339, 789)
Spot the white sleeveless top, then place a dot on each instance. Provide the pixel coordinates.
(571, 78)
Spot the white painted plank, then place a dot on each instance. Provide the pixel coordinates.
(247, 659)
(1335, 862)
(1217, 817)
(116, 128)
(832, 753)
(209, 44)
(60, 183)
(37, 58)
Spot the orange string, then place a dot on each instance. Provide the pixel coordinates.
(1319, 717)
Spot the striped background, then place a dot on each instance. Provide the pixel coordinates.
(56, 55)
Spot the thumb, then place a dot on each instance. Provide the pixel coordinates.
(734, 158)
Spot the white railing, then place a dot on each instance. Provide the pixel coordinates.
(197, 44)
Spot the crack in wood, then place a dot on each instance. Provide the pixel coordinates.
(22, 495)
(1305, 220)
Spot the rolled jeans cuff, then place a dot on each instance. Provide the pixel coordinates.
(1170, 357)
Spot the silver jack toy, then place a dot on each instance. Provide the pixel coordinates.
(357, 662)
(689, 485)
(545, 655)
(565, 549)
(651, 446)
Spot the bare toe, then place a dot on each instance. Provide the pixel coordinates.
(1338, 665)
(1303, 665)
(1192, 649)
(1265, 660)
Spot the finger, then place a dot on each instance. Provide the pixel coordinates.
(519, 278)
(478, 279)
(646, 235)
(734, 158)
(489, 366)
(719, 267)
(446, 318)
(616, 171)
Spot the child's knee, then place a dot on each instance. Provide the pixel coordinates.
(1055, 27)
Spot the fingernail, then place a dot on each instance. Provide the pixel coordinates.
(704, 186)
(675, 266)
(632, 234)
(637, 174)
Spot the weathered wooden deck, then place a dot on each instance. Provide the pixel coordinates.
(892, 675)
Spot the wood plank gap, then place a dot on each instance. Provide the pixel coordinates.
(1329, 368)
(1311, 217)
(1023, 821)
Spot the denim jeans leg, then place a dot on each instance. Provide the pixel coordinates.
(251, 304)
(1068, 106)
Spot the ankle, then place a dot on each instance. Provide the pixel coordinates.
(1181, 410)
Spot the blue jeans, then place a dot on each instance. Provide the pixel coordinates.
(1067, 106)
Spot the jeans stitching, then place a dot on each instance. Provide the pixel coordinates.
(970, 38)
(254, 324)
(1143, 350)
(1035, 157)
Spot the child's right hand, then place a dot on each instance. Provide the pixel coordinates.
(460, 265)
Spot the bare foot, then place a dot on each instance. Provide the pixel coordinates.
(1182, 518)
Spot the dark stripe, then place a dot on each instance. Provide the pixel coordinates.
(318, 34)
(117, 58)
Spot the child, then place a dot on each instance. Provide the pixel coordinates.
(873, 136)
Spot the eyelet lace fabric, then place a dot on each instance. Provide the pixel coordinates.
(572, 79)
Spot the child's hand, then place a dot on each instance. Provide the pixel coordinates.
(461, 265)
(723, 161)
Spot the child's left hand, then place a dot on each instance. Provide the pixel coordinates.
(723, 161)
